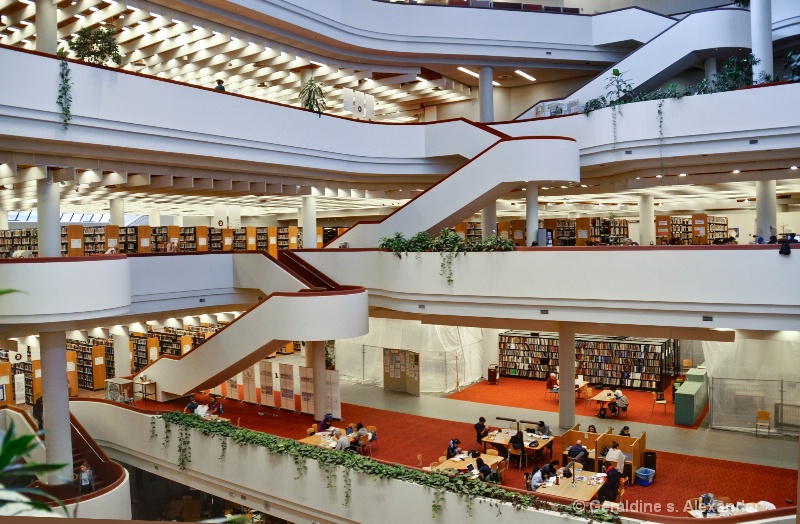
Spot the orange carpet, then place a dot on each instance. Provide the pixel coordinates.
(678, 477)
(529, 394)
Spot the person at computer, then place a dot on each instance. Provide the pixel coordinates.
(575, 451)
(616, 457)
(620, 403)
(611, 486)
(453, 449)
(481, 430)
(542, 429)
(484, 471)
(552, 383)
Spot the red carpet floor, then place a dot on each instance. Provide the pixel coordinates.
(529, 394)
(678, 477)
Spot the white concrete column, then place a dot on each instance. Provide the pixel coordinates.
(761, 35)
(531, 212)
(489, 220)
(122, 350)
(647, 220)
(320, 394)
(491, 349)
(154, 219)
(309, 215)
(55, 398)
(710, 69)
(46, 27)
(48, 208)
(3, 220)
(766, 209)
(307, 352)
(566, 376)
(117, 211)
(486, 94)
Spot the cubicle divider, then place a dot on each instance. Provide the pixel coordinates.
(588, 440)
(633, 447)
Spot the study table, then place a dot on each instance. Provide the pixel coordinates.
(583, 490)
(604, 396)
(460, 462)
(144, 389)
(323, 440)
(533, 444)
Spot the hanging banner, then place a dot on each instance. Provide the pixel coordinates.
(220, 216)
(306, 390)
(370, 107)
(267, 385)
(347, 99)
(360, 104)
(333, 397)
(287, 387)
(249, 384)
(232, 388)
(19, 388)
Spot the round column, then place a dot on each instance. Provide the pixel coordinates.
(486, 93)
(491, 348)
(117, 212)
(531, 213)
(766, 209)
(3, 220)
(566, 376)
(122, 350)
(48, 208)
(710, 69)
(55, 398)
(647, 220)
(320, 394)
(154, 219)
(761, 35)
(489, 220)
(46, 27)
(308, 354)
(309, 215)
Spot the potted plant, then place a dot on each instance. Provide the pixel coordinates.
(312, 96)
(96, 46)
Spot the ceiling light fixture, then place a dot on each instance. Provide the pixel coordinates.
(658, 176)
(525, 75)
(496, 84)
(317, 63)
(793, 168)
(584, 185)
(735, 171)
(471, 73)
(682, 174)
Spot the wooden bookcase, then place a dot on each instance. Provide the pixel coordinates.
(518, 233)
(139, 352)
(91, 364)
(669, 228)
(633, 363)
(706, 228)
(262, 238)
(162, 236)
(201, 233)
(145, 239)
(214, 239)
(6, 383)
(227, 239)
(583, 231)
(609, 231)
(287, 237)
(96, 240)
(188, 239)
(72, 241)
(72, 373)
(504, 229)
(328, 234)
(33, 379)
(27, 239)
(128, 239)
(171, 343)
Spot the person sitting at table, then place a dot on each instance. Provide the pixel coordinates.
(543, 429)
(575, 451)
(214, 407)
(625, 432)
(325, 424)
(191, 407)
(481, 430)
(620, 403)
(517, 441)
(611, 486)
(538, 478)
(342, 441)
(616, 457)
(552, 383)
(551, 467)
(453, 449)
(591, 429)
(484, 471)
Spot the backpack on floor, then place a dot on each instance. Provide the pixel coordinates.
(603, 413)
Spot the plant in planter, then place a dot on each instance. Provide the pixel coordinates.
(449, 244)
(792, 62)
(312, 96)
(493, 243)
(396, 244)
(96, 46)
(419, 243)
(64, 99)
(330, 354)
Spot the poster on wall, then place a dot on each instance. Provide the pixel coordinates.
(333, 398)
(249, 385)
(232, 388)
(306, 390)
(19, 388)
(287, 386)
(267, 386)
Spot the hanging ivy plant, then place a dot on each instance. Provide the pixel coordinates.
(167, 433)
(153, 434)
(312, 96)
(223, 448)
(64, 99)
(184, 448)
(96, 46)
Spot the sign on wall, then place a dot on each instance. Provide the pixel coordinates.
(267, 386)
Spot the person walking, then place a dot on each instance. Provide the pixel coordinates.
(85, 479)
(38, 412)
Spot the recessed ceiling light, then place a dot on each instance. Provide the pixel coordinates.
(525, 75)
(682, 174)
(793, 168)
(471, 73)
(747, 200)
(318, 63)
(563, 187)
(545, 188)
(735, 171)
(638, 177)
(658, 176)
(661, 203)
(584, 185)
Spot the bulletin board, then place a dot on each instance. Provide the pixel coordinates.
(306, 390)
(401, 371)
(287, 386)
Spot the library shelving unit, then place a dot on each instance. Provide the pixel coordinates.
(627, 362)
(706, 228)
(144, 350)
(17, 239)
(329, 233)
(5, 375)
(244, 238)
(91, 362)
(135, 239)
(262, 238)
(172, 343)
(287, 237)
(162, 236)
(188, 336)
(669, 228)
(469, 231)
(503, 229)
(610, 231)
(72, 373)
(33, 379)
(564, 232)
(96, 240)
(518, 233)
(72, 241)
(220, 239)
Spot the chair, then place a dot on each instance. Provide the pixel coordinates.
(656, 400)
(724, 500)
(374, 431)
(549, 391)
(363, 442)
(442, 459)
(433, 465)
(310, 431)
(687, 364)
(589, 392)
(614, 506)
(492, 452)
(518, 453)
(501, 469)
(419, 460)
(763, 421)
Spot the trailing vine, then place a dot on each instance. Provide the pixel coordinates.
(184, 447)
(439, 482)
(223, 448)
(167, 432)
(153, 434)
(64, 99)
(660, 109)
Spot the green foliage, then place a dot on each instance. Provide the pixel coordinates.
(792, 62)
(153, 433)
(329, 460)
(64, 99)
(15, 450)
(312, 96)
(735, 73)
(184, 447)
(396, 244)
(96, 46)
(450, 245)
(594, 104)
(493, 243)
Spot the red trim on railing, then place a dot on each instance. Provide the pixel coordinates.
(292, 259)
(733, 247)
(47, 260)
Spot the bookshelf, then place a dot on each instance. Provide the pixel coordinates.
(33, 379)
(262, 238)
(128, 239)
(72, 241)
(518, 233)
(139, 352)
(244, 238)
(504, 229)
(671, 229)
(72, 373)
(162, 236)
(706, 228)
(564, 230)
(96, 240)
(214, 239)
(469, 231)
(609, 231)
(91, 364)
(8, 386)
(170, 343)
(627, 362)
(27, 239)
(328, 234)
(287, 237)
(187, 239)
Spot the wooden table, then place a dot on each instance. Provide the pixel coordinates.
(143, 389)
(323, 440)
(604, 396)
(582, 491)
(461, 464)
(533, 444)
(728, 510)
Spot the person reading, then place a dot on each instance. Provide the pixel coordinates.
(543, 429)
(552, 383)
(484, 471)
(453, 449)
(575, 451)
(625, 432)
(620, 403)
(611, 486)
(538, 478)
(325, 424)
(616, 457)
(342, 441)
(481, 430)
